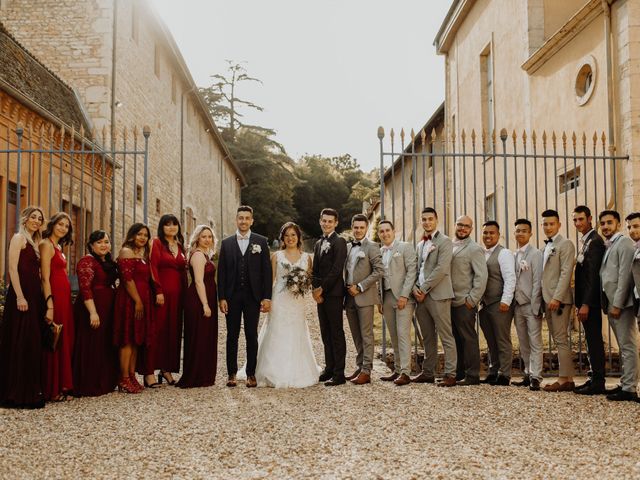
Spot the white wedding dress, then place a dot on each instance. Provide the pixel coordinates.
(285, 353)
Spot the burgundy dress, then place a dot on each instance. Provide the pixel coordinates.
(57, 369)
(95, 360)
(170, 275)
(20, 339)
(200, 334)
(126, 329)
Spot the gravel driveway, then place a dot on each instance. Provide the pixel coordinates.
(371, 431)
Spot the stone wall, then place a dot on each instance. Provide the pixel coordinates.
(75, 39)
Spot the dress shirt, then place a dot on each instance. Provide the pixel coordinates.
(520, 252)
(351, 262)
(386, 259)
(547, 249)
(243, 241)
(457, 244)
(508, 271)
(582, 245)
(426, 246)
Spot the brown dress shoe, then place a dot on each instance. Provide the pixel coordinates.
(447, 381)
(361, 379)
(557, 387)
(402, 380)
(251, 382)
(391, 377)
(353, 375)
(423, 378)
(232, 381)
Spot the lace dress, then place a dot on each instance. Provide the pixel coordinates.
(285, 353)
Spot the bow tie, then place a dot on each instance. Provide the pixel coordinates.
(240, 237)
(426, 238)
(356, 244)
(548, 241)
(488, 250)
(608, 243)
(384, 248)
(325, 237)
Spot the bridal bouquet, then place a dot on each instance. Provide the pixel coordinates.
(297, 280)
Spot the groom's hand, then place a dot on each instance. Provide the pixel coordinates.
(224, 306)
(353, 290)
(317, 294)
(265, 305)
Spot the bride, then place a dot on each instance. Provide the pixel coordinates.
(285, 354)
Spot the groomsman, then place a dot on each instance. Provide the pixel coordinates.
(400, 270)
(528, 304)
(434, 293)
(618, 302)
(362, 271)
(468, 279)
(587, 298)
(496, 312)
(558, 257)
(329, 255)
(633, 225)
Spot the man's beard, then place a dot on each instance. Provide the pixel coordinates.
(462, 238)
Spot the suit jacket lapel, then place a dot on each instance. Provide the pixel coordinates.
(462, 247)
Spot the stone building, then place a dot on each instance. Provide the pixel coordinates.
(128, 71)
(553, 66)
(38, 112)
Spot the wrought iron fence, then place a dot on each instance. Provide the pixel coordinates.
(74, 172)
(499, 178)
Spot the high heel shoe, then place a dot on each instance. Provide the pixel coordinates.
(150, 385)
(162, 376)
(125, 386)
(135, 384)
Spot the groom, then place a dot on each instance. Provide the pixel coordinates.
(244, 289)
(329, 255)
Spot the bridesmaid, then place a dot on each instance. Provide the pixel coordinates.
(20, 340)
(132, 311)
(169, 268)
(94, 360)
(58, 376)
(201, 313)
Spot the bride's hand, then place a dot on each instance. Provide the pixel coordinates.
(265, 306)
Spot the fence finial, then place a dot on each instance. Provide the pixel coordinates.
(402, 135)
(380, 133)
(392, 134)
(564, 140)
(553, 138)
(463, 136)
(434, 136)
(515, 138)
(125, 133)
(503, 134)
(423, 136)
(573, 139)
(524, 137)
(146, 131)
(544, 138)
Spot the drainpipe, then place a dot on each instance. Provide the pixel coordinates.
(606, 7)
(114, 58)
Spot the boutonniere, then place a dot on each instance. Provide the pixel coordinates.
(431, 248)
(397, 254)
(255, 248)
(580, 258)
(636, 256)
(361, 254)
(552, 251)
(524, 266)
(325, 246)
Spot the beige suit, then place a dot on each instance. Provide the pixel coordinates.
(434, 313)
(398, 280)
(556, 285)
(363, 268)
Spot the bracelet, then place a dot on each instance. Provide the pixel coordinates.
(49, 308)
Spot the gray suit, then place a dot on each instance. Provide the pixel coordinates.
(399, 278)
(468, 279)
(366, 269)
(616, 279)
(556, 285)
(528, 301)
(434, 313)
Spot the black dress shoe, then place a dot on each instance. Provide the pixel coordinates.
(466, 381)
(460, 376)
(335, 381)
(490, 379)
(591, 389)
(502, 381)
(390, 378)
(615, 389)
(623, 396)
(324, 376)
(586, 384)
(525, 382)
(535, 385)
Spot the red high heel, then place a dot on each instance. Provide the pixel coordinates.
(135, 384)
(125, 385)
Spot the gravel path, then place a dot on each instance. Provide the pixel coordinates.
(371, 431)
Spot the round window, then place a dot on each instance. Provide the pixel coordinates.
(585, 80)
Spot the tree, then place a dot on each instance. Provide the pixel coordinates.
(264, 162)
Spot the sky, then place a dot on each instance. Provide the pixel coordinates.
(332, 71)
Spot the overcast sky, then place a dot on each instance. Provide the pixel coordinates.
(332, 70)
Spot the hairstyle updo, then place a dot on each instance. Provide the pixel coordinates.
(283, 231)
